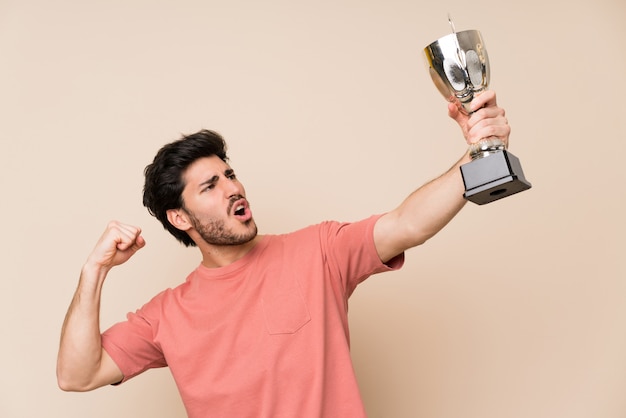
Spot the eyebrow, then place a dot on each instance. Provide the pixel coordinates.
(208, 182)
(214, 179)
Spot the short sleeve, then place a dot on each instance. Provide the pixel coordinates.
(132, 347)
(353, 252)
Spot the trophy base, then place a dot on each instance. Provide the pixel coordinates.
(493, 177)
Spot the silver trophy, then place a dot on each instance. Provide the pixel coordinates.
(459, 67)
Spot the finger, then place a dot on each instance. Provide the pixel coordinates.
(131, 242)
(490, 111)
(489, 128)
(130, 234)
(485, 99)
(133, 245)
(453, 110)
(124, 235)
(494, 115)
(455, 113)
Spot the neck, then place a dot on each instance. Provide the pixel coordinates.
(214, 256)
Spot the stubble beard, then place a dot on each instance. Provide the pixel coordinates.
(214, 232)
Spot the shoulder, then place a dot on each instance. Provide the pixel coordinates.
(334, 227)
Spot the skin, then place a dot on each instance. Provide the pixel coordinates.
(212, 194)
(211, 197)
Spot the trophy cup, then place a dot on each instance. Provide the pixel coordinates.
(459, 67)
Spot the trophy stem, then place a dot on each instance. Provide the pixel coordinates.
(486, 147)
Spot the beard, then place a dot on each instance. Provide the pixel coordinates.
(215, 232)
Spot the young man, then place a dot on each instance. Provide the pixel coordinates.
(260, 328)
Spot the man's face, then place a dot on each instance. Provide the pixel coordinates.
(216, 205)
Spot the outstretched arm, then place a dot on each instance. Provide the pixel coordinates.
(428, 209)
(82, 363)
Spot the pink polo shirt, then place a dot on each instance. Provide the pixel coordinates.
(264, 337)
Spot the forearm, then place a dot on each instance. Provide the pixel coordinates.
(80, 351)
(430, 208)
(422, 214)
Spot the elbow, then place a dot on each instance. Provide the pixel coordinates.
(78, 379)
(64, 378)
(66, 385)
(69, 386)
(69, 383)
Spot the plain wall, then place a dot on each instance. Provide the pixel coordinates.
(516, 309)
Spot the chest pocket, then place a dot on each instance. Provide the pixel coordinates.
(285, 311)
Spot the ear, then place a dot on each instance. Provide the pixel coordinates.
(179, 219)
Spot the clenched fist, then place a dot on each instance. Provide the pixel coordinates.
(117, 244)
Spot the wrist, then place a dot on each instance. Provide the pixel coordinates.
(466, 158)
(93, 274)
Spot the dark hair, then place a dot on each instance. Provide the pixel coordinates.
(164, 184)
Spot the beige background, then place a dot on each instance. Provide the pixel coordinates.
(516, 310)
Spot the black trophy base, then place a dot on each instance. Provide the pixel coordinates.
(493, 177)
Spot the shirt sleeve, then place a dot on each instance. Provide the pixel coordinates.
(131, 345)
(352, 250)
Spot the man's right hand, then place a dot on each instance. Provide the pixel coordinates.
(118, 243)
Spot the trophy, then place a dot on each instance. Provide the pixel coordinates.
(459, 67)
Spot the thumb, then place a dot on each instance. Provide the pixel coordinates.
(136, 244)
(461, 119)
(455, 113)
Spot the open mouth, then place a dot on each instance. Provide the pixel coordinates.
(240, 210)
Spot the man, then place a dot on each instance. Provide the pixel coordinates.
(260, 328)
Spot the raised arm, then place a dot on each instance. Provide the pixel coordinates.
(82, 363)
(428, 209)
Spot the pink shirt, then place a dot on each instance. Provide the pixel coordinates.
(266, 336)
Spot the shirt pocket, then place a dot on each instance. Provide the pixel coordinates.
(285, 311)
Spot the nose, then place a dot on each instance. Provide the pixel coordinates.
(232, 187)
